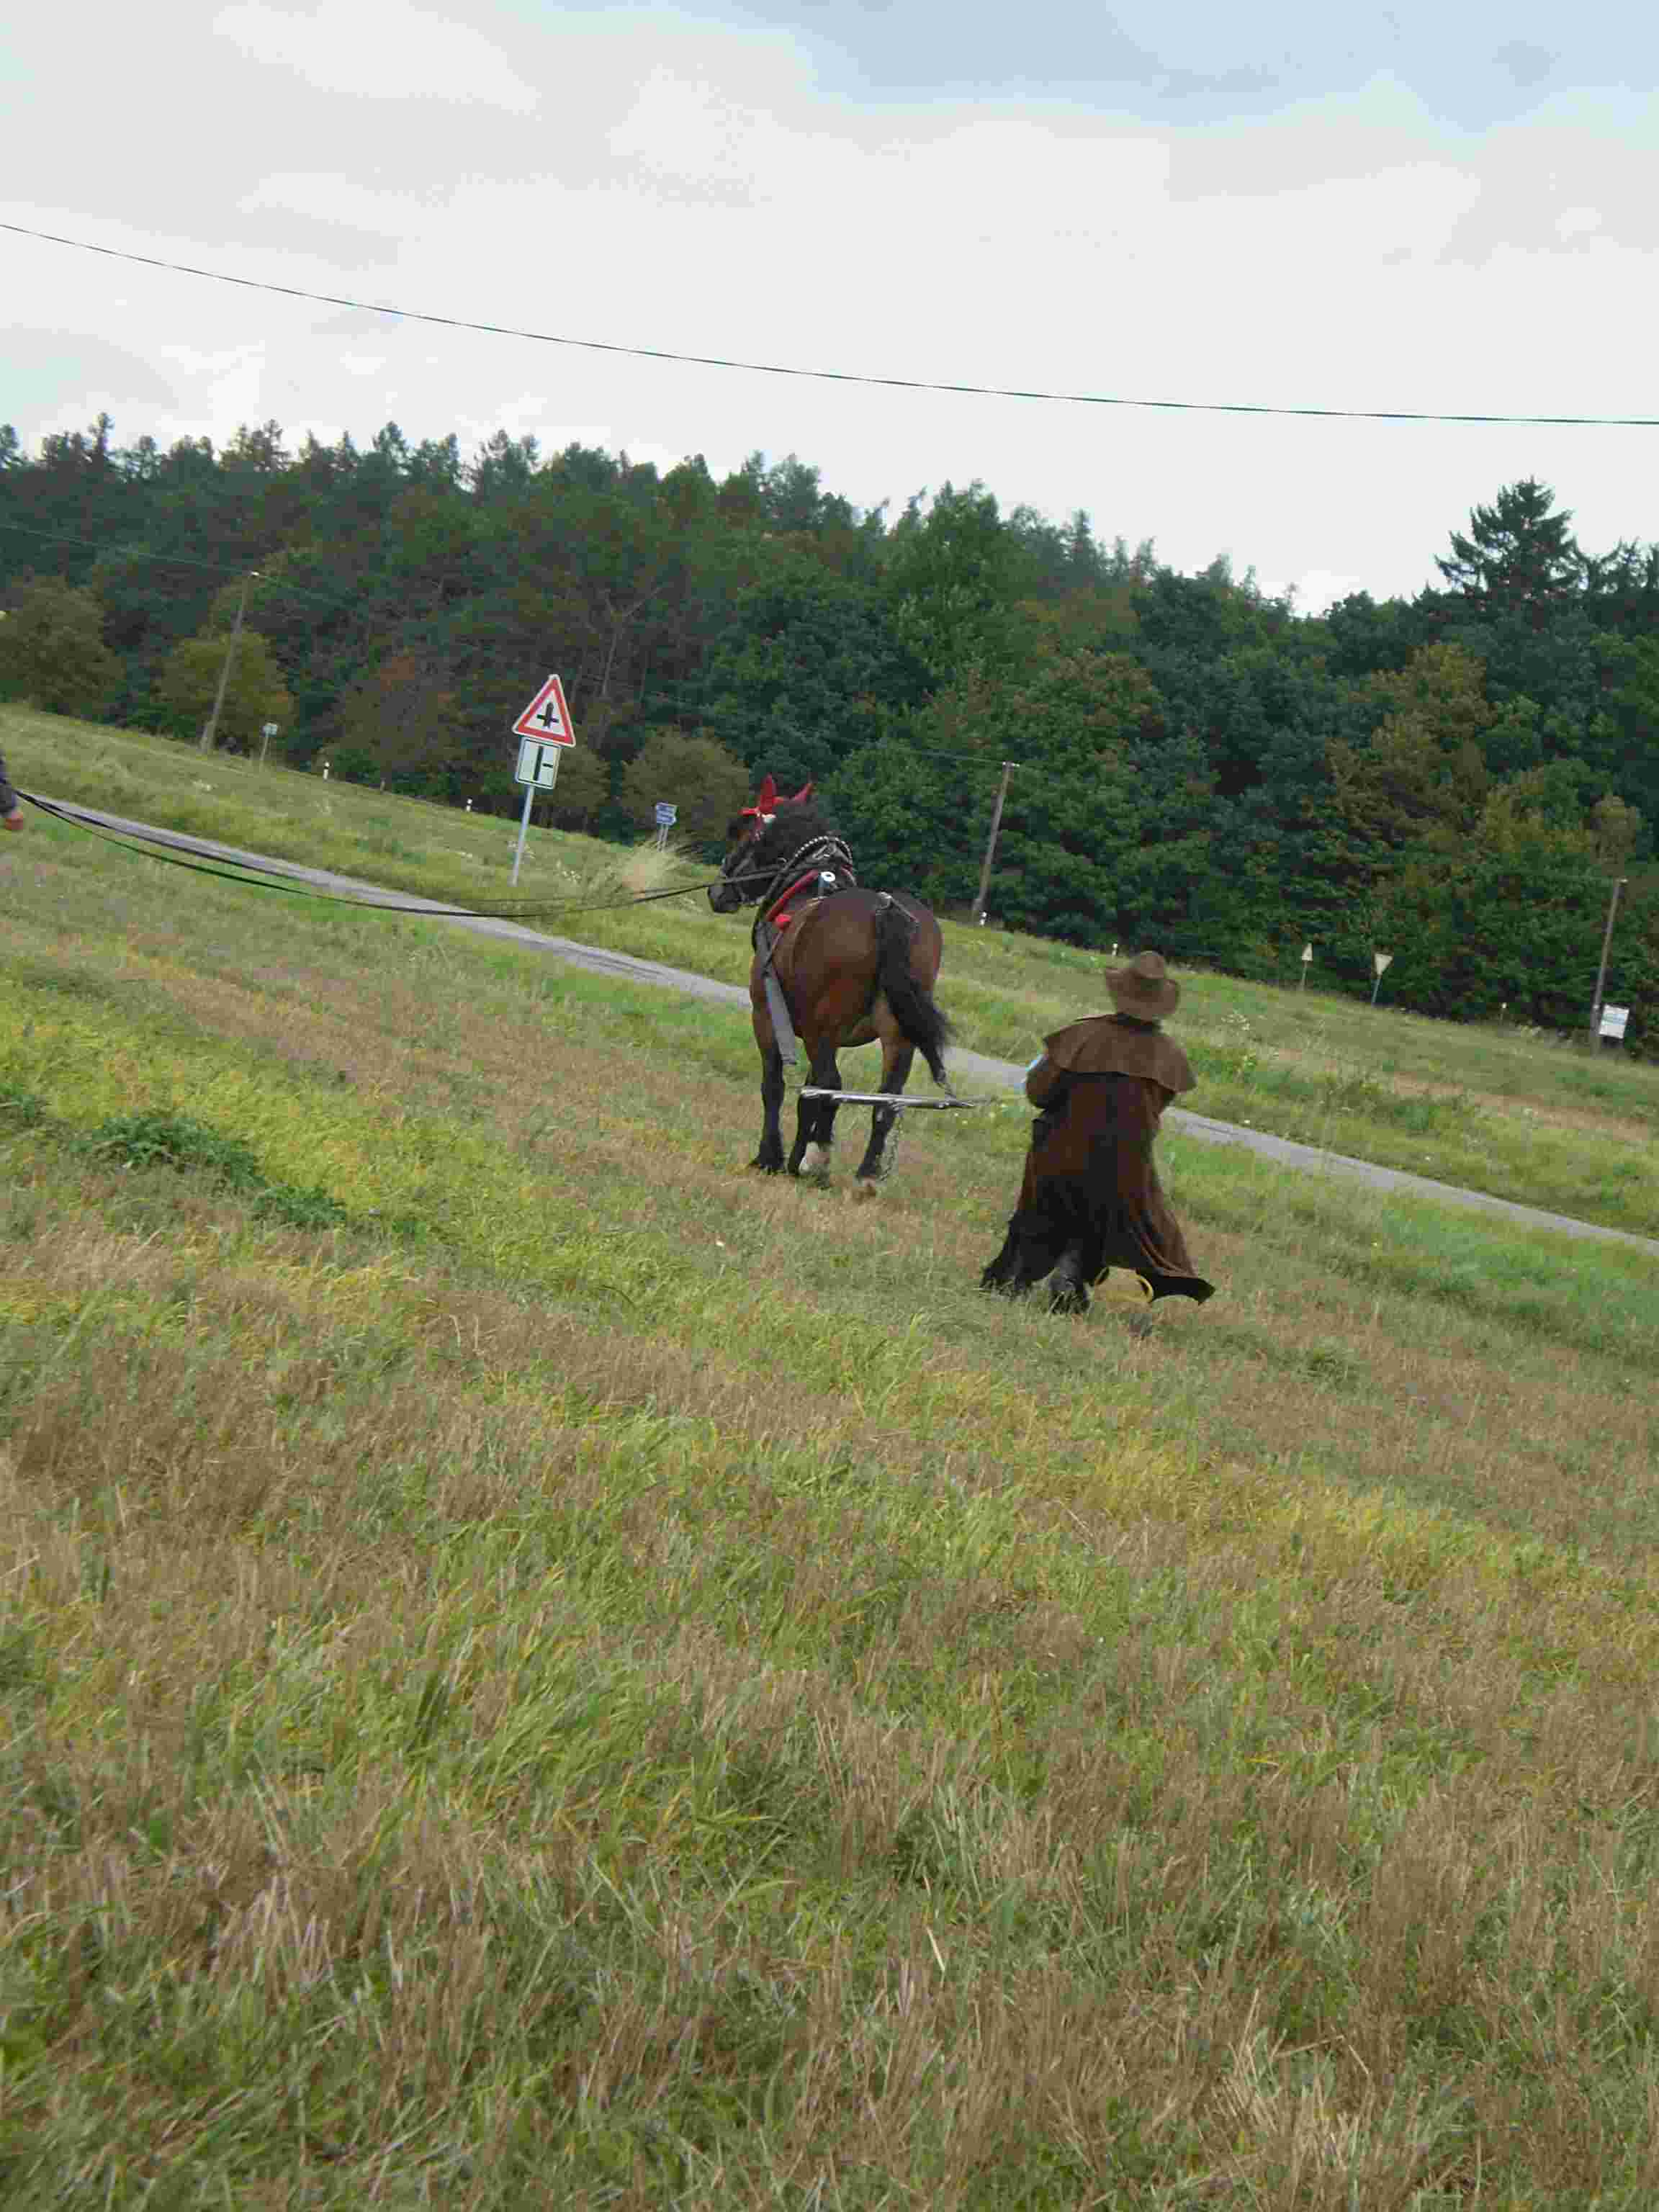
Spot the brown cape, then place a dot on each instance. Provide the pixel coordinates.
(1090, 1182)
(1107, 1044)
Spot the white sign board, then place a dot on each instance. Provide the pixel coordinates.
(1612, 1022)
(1307, 954)
(539, 764)
(666, 814)
(268, 729)
(1380, 961)
(547, 716)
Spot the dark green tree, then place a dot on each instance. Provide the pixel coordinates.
(696, 775)
(52, 653)
(255, 694)
(1517, 557)
(808, 670)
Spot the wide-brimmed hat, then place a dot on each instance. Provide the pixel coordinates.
(1145, 989)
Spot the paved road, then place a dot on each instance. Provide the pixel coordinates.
(972, 1067)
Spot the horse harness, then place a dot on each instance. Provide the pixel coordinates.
(811, 872)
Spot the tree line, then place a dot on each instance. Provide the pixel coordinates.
(1456, 777)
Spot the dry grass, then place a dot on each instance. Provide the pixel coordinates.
(597, 1681)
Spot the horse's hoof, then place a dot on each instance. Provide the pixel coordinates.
(766, 1167)
(864, 1187)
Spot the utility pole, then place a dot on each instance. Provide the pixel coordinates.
(1008, 768)
(1619, 882)
(211, 725)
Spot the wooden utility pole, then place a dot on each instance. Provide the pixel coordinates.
(1619, 882)
(211, 725)
(1008, 768)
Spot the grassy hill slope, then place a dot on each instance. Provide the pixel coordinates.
(538, 1669)
(1490, 1108)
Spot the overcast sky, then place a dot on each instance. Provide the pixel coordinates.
(1450, 208)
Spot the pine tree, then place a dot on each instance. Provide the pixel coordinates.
(1518, 558)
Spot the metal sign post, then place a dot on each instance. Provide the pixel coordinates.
(1380, 962)
(1306, 961)
(667, 815)
(538, 770)
(541, 729)
(268, 731)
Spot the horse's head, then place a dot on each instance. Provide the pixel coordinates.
(749, 842)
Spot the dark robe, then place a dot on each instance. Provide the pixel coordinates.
(1090, 1199)
(9, 801)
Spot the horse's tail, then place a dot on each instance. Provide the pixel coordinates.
(920, 1022)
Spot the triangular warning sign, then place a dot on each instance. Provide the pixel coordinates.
(547, 717)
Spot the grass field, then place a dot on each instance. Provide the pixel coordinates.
(536, 1669)
(1490, 1109)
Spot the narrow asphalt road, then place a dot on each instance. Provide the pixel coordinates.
(973, 1066)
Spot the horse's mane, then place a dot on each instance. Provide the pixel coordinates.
(796, 823)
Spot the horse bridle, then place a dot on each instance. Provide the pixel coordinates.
(813, 854)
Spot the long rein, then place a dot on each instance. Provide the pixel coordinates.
(260, 876)
(257, 875)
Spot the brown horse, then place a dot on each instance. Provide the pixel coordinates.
(836, 964)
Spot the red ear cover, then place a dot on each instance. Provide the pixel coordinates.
(805, 792)
(766, 797)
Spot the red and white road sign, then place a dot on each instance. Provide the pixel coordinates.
(547, 717)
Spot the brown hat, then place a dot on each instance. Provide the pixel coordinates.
(1145, 989)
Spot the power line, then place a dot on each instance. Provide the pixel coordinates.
(839, 376)
(129, 549)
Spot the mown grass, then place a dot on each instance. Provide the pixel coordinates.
(578, 1676)
(1493, 1108)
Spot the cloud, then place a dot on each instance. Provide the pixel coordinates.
(712, 189)
(1524, 65)
(334, 202)
(378, 49)
(60, 380)
(1320, 589)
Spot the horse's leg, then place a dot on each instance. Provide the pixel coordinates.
(769, 1158)
(815, 1129)
(898, 1057)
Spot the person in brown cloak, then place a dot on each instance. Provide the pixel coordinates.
(1090, 1199)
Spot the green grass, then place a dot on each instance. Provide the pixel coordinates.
(1493, 1109)
(576, 1675)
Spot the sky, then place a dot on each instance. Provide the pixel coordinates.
(1450, 210)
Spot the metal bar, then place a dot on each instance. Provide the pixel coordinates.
(524, 824)
(888, 1099)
